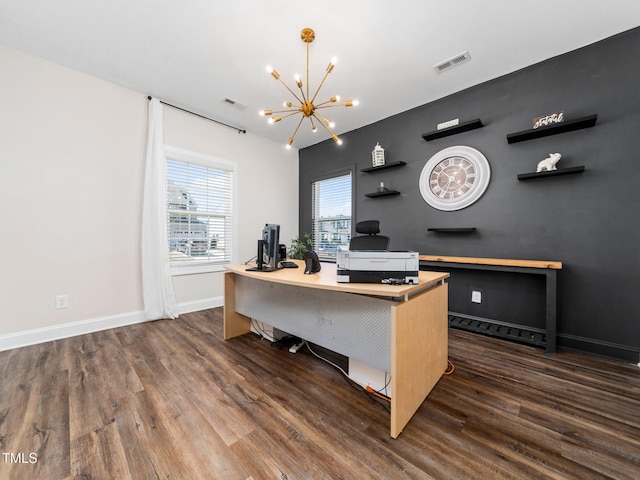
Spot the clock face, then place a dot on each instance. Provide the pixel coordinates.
(454, 178)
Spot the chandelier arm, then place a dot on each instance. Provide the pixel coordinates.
(290, 91)
(285, 111)
(321, 119)
(326, 74)
(289, 115)
(296, 130)
(323, 125)
(322, 105)
(348, 103)
(303, 96)
(333, 135)
(308, 72)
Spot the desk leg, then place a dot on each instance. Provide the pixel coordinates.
(419, 350)
(551, 311)
(234, 323)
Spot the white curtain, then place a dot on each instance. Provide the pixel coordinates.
(157, 286)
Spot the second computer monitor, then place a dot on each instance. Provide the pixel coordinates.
(271, 246)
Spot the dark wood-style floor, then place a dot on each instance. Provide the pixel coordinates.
(171, 400)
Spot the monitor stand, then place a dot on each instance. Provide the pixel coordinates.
(261, 267)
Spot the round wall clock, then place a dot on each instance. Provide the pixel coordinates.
(454, 178)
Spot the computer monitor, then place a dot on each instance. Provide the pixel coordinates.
(268, 257)
(271, 246)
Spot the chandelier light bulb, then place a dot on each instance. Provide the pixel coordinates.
(332, 64)
(271, 71)
(287, 104)
(298, 80)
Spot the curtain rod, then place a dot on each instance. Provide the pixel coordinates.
(240, 130)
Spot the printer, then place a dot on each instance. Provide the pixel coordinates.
(377, 266)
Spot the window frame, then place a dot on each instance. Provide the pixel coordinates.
(350, 170)
(188, 156)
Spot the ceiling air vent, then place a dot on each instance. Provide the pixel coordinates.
(233, 103)
(453, 62)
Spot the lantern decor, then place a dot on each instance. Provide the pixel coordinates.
(377, 156)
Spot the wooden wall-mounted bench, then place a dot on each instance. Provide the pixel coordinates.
(536, 267)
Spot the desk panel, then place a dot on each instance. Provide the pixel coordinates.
(355, 326)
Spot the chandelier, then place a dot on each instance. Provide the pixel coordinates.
(304, 103)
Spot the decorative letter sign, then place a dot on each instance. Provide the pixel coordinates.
(557, 117)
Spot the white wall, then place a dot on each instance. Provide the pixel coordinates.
(71, 170)
(267, 189)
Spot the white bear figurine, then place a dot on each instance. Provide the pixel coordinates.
(549, 163)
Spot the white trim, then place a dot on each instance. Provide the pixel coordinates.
(198, 305)
(25, 338)
(187, 268)
(205, 160)
(65, 330)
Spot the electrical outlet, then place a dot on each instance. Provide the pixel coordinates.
(476, 296)
(62, 301)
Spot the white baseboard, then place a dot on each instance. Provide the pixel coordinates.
(65, 330)
(25, 338)
(198, 305)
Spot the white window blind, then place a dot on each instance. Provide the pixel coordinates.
(331, 217)
(199, 209)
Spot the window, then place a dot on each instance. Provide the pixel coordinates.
(331, 217)
(199, 211)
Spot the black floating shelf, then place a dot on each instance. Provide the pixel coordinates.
(552, 173)
(453, 230)
(570, 126)
(383, 167)
(387, 193)
(445, 132)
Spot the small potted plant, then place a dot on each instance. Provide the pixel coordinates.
(299, 245)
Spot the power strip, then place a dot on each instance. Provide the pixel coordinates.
(296, 347)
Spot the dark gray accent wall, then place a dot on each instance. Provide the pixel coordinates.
(588, 221)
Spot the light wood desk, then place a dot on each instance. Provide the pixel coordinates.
(401, 329)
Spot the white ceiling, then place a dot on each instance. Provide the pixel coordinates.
(195, 53)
